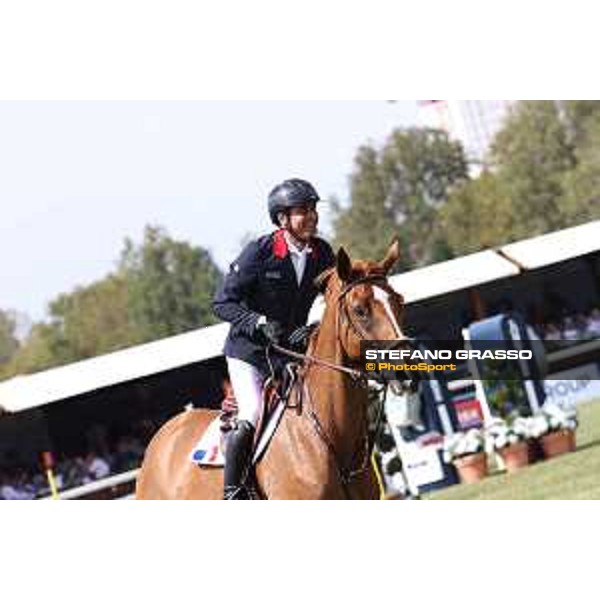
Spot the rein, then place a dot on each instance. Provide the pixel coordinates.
(355, 374)
(346, 475)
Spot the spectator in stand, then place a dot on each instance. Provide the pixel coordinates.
(570, 331)
(15, 488)
(552, 333)
(72, 471)
(96, 467)
(593, 324)
(128, 454)
(580, 322)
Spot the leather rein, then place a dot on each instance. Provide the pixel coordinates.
(346, 475)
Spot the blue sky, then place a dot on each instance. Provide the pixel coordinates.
(77, 177)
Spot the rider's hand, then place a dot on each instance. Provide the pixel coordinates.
(299, 337)
(272, 332)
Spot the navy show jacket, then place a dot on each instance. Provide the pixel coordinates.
(262, 281)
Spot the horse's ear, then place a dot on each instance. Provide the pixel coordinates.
(393, 254)
(343, 265)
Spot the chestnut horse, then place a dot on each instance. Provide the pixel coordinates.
(320, 450)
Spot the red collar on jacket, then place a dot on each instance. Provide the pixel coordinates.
(280, 245)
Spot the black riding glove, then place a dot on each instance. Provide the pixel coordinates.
(299, 337)
(272, 332)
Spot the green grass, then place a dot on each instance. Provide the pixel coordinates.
(573, 476)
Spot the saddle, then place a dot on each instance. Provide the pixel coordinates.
(277, 396)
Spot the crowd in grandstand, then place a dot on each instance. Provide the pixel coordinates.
(24, 483)
(574, 328)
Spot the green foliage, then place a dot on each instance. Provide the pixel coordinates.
(546, 176)
(532, 153)
(171, 285)
(366, 228)
(163, 287)
(547, 158)
(8, 340)
(398, 191)
(577, 116)
(581, 185)
(89, 321)
(35, 353)
(479, 214)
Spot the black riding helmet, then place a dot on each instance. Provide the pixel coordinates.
(289, 194)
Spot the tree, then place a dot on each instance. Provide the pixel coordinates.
(89, 321)
(171, 285)
(581, 185)
(532, 153)
(479, 214)
(34, 354)
(163, 287)
(399, 191)
(546, 156)
(367, 226)
(577, 117)
(8, 340)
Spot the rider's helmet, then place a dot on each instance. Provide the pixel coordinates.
(289, 194)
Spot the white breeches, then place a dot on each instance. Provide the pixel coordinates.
(247, 383)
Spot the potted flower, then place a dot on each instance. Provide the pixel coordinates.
(509, 440)
(560, 430)
(466, 451)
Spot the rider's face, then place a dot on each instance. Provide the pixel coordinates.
(302, 221)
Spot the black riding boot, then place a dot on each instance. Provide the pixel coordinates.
(237, 460)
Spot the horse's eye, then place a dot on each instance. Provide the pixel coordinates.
(361, 312)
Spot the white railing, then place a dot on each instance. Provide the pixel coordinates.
(95, 488)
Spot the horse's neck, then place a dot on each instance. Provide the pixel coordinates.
(340, 405)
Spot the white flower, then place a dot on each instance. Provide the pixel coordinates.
(559, 418)
(462, 444)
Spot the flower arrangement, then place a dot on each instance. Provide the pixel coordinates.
(558, 428)
(500, 433)
(463, 443)
(550, 418)
(558, 418)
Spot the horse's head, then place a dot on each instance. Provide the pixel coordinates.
(367, 306)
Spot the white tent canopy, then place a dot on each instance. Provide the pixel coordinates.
(452, 275)
(445, 277)
(555, 247)
(28, 391)
(24, 392)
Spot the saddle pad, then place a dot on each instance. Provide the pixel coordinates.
(209, 450)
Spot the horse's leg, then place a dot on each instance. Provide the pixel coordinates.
(168, 473)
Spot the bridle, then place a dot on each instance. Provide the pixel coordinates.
(356, 375)
(379, 281)
(346, 475)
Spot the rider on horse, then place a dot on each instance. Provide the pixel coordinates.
(266, 296)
